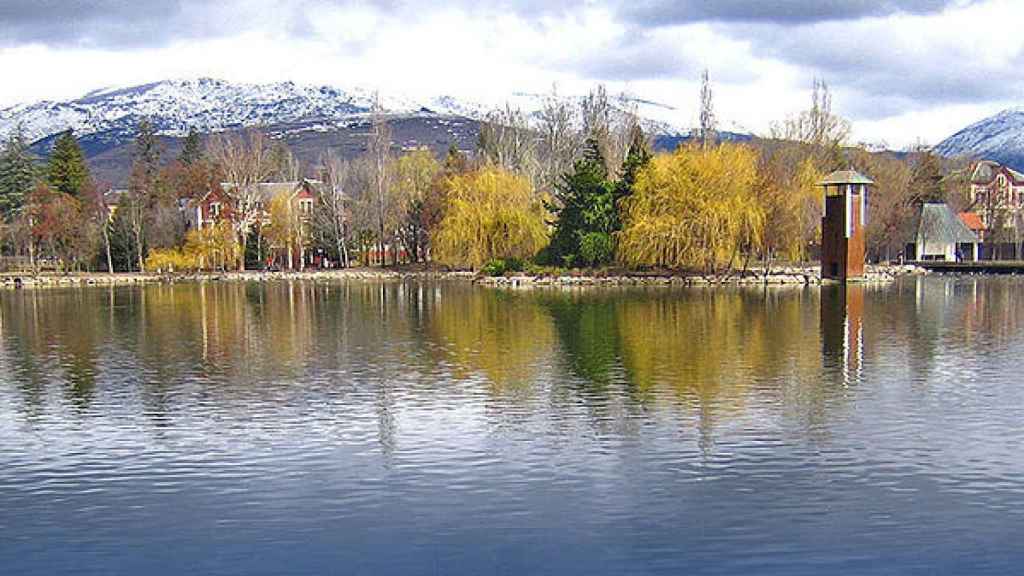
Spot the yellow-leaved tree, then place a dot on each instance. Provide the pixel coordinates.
(792, 200)
(694, 208)
(285, 231)
(213, 247)
(490, 214)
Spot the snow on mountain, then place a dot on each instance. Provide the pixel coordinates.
(209, 105)
(999, 137)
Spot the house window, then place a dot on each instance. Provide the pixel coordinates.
(306, 206)
(215, 209)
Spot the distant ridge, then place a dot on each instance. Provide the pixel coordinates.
(310, 118)
(999, 137)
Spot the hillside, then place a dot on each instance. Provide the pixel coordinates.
(999, 137)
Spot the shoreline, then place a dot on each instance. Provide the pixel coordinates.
(781, 276)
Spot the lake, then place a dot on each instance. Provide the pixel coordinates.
(442, 428)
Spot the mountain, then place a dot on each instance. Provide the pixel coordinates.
(999, 137)
(309, 118)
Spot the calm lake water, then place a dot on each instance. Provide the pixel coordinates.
(416, 428)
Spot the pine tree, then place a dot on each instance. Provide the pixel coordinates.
(638, 156)
(67, 172)
(17, 174)
(585, 211)
(147, 149)
(192, 151)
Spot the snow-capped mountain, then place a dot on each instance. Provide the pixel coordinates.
(206, 105)
(209, 105)
(311, 119)
(999, 137)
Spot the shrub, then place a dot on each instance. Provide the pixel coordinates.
(170, 260)
(500, 267)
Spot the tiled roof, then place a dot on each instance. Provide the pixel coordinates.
(972, 220)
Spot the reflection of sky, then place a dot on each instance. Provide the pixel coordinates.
(379, 447)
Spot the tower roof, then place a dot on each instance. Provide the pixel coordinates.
(845, 177)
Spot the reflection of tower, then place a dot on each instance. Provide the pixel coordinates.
(842, 329)
(842, 227)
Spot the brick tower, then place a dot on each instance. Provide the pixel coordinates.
(842, 227)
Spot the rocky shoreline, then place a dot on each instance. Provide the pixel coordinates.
(14, 281)
(782, 276)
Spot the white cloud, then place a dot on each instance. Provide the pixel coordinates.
(899, 76)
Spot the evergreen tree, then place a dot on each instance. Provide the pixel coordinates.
(192, 151)
(17, 174)
(67, 172)
(147, 150)
(638, 156)
(585, 212)
(926, 179)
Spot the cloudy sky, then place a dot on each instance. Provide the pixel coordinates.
(903, 71)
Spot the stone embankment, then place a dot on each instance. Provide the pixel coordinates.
(784, 276)
(12, 280)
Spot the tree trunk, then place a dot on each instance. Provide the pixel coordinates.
(106, 243)
(241, 260)
(138, 248)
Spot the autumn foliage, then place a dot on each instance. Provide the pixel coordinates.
(491, 214)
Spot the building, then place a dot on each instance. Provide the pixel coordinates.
(941, 235)
(996, 195)
(842, 227)
(219, 204)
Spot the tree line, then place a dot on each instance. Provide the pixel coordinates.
(577, 184)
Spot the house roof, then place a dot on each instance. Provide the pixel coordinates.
(845, 177)
(270, 190)
(985, 171)
(938, 224)
(972, 220)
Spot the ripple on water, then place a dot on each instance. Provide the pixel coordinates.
(406, 428)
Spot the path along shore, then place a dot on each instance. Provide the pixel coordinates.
(793, 276)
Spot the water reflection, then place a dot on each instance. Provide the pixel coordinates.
(703, 351)
(626, 430)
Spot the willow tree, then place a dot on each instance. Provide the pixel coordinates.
(491, 214)
(694, 208)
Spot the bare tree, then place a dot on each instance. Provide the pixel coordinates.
(379, 152)
(818, 128)
(507, 140)
(334, 213)
(285, 167)
(559, 140)
(610, 125)
(245, 162)
(708, 131)
(596, 116)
